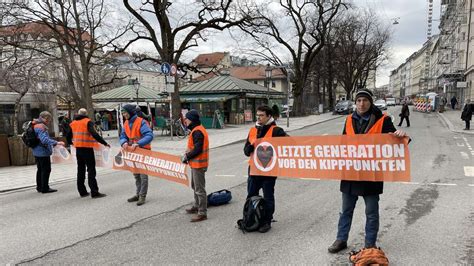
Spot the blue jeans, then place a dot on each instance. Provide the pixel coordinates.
(267, 184)
(371, 213)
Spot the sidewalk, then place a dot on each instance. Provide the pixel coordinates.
(18, 177)
(452, 118)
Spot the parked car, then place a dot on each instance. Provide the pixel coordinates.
(381, 104)
(391, 101)
(344, 107)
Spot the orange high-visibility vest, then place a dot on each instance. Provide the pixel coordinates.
(253, 135)
(81, 138)
(202, 160)
(134, 135)
(375, 129)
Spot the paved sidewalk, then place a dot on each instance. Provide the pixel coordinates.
(452, 118)
(18, 177)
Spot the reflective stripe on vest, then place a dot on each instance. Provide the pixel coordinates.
(253, 135)
(81, 138)
(375, 129)
(134, 135)
(202, 160)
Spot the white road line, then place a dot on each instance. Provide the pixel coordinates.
(409, 183)
(471, 185)
(325, 134)
(307, 178)
(464, 155)
(460, 144)
(226, 175)
(469, 171)
(443, 184)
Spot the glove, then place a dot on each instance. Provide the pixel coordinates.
(184, 159)
(249, 149)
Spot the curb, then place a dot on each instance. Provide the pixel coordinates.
(450, 125)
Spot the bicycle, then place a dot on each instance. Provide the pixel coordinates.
(179, 129)
(98, 129)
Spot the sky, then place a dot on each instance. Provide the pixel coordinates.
(408, 35)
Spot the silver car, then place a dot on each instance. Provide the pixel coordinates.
(381, 104)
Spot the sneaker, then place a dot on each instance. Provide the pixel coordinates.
(337, 246)
(264, 228)
(141, 200)
(198, 218)
(132, 199)
(98, 195)
(192, 210)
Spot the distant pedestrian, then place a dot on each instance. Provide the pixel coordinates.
(43, 151)
(197, 155)
(466, 114)
(454, 101)
(136, 133)
(105, 121)
(264, 128)
(84, 137)
(405, 114)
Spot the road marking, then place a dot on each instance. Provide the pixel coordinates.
(409, 183)
(226, 175)
(469, 171)
(325, 134)
(306, 178)
(471, 185)
(464, 155)
(460, 144)
(443, 184)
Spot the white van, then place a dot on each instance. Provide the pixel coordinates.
(390, 101)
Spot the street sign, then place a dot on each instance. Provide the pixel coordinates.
(165, 68)
(174, 69)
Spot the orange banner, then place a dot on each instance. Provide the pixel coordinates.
(368, 157)
(152, 163)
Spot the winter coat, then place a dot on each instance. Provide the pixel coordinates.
(145, 131)
(466, 114)
(45, 148)
(365, 188)
(405, 111)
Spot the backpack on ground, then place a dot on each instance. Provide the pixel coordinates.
(219, 197)
(254, 212)
(29, 135)
(368, 256)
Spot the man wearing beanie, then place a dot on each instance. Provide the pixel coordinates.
(136, 133)
(197, 155)
(367, 119)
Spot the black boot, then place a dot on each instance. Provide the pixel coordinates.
(337, 246)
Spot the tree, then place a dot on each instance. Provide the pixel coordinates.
(174, 31)
(298, 27)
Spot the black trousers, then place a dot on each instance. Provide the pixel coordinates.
(43, 171)
(86, 159)
(401, 121)
(468, 124)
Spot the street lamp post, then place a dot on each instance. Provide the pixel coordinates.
(268, 76)
(136, 85)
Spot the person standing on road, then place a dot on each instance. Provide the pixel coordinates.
(197, 155)
(43, 151)
(136, 133)
(405, 114)
(466, 114)
(84, 138)
(367, 119)
(264, 128)
(454, 101)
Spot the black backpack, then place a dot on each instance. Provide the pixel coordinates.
(29, 136)
(254, 212)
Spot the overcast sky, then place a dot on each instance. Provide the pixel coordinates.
(408, 35)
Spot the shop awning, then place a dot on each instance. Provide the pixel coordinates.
(109, 106)
(199, 98)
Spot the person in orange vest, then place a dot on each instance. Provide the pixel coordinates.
(84, 138)
(136, 133)
(197, 155)
(264, 128)
(367, 119)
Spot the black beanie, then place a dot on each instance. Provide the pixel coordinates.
(365, 93)
(131, 109)
(193, 115)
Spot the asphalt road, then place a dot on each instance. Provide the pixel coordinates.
(427, 221)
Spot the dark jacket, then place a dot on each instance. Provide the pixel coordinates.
(198, 139)
(365, 188)
(405, 111)
(466, 114)
(261, 131)
(90, 128)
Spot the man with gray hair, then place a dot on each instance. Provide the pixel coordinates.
(84, 138)
(43, 151)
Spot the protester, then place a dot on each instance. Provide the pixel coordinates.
(43, 151)
(136, 133)
(197, 155)
(466, 114)
(405, 114)
(367, 119)
(85, 138)
(264, 128)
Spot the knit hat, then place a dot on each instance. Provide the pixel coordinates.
(193, 115)
(365, 93)
(131, 109)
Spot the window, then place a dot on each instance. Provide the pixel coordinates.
(255, 82)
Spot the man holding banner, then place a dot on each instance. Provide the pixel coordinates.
(85, 138)
(197, 155)
(136, 133)
(367, 119)
(264, 128)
